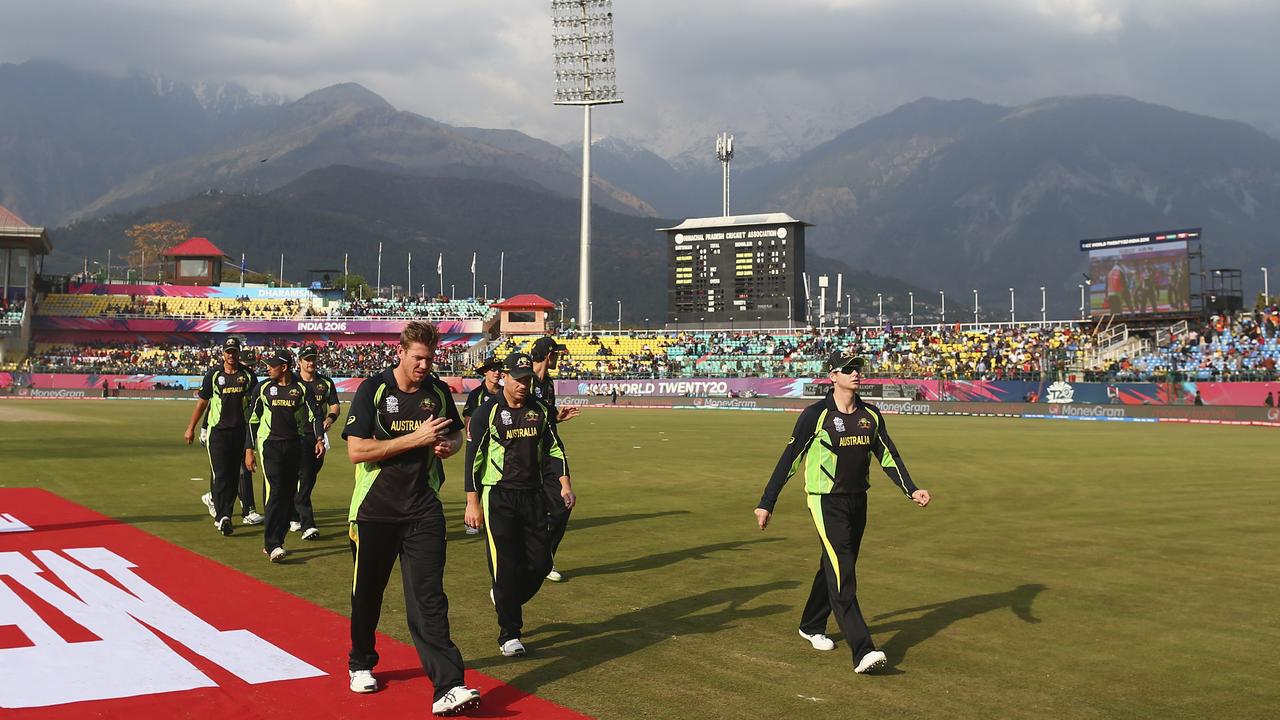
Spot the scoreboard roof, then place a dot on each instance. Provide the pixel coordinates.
(736, 221)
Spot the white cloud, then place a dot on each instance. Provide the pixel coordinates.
(760, 67)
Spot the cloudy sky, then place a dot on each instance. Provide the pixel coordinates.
(779, 73)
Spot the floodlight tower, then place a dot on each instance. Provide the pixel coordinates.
(583, 40)
(724, 152)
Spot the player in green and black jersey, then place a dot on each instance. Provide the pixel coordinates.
(400, 425)
(324, 392)
(513, 447)
(545, 354)
(282, 411)
(490, 370)
(837, 439)
(225, 394)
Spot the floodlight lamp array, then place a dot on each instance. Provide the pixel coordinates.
(583, 51)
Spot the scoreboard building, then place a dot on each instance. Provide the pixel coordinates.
(739, 270)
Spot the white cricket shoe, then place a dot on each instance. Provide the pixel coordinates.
(819, 641)
(295, 526)
(554, 575)
(512, 648)
(207, 499)
(874, 660)
(311, 534)
(278, 554)
(459, 699)
(253, 518)
(362, 681)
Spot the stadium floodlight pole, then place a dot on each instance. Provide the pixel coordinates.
(1081, 286)
(880, 311)
(108, 266)
(281, 277)
(1266, 288)
(619, 316)
(502, 264)
(379, 269)
(942, 314)
(1042, 304)
(724, 153)
(911, 312)
(582, 38)
(975, 306)
(1012, 317)
(409, 286)
(789, 303)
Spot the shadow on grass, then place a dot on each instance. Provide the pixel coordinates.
(658, 560)
(593, 522)
(573, 648)
(910, 632)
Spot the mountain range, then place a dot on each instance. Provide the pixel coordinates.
(949, 195)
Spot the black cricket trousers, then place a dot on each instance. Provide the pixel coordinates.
(308, 471)
(518, 549)
(279, 460)
(841, 520)
(420, 545)
(557, 513)
(226, 460)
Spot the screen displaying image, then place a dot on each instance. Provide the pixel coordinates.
(1139, 280)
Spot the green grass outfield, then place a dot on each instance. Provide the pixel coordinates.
(1065, 569)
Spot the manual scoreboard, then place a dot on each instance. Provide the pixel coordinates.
(743, 271)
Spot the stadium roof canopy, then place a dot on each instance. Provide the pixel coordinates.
(528, 301)
(14, 228)
(195, 247)
(736, 221)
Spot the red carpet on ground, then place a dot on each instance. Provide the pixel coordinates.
(101, 620)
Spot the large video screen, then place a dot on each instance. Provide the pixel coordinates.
(1140, 274)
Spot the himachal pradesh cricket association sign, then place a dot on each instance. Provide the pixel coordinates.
(99, 619)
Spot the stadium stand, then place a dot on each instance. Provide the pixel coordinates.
(339, 360)
(996, 353)
(11, 312)
(1240, 347)
(170, 307)
(411, 307)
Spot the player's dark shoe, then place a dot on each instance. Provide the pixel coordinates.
(224, 525)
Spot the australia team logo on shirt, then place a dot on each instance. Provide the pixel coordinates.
(839, 423)
(532, 416)
(294, 392)
(428, 404)
(864, 423)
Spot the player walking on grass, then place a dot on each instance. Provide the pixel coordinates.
(837, 438)
(491, 372)
(513, 447)
(282, 410)
(225, 394)
(325, 394)
(545, 354)
(401, 424)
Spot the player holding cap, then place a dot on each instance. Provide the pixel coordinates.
(225, 394)
(513, 447)
(837, 438)
(282, 408)
(546, 354)
(325, 394)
